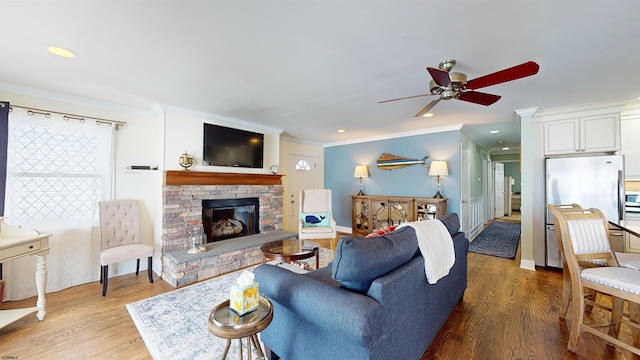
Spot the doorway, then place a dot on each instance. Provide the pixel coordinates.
(498, 184)
(302, 174)
(465, 190)
(511, 181)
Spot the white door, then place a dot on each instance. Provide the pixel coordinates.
(498, 177)
(302, 174)
(508, 184)
(487, 171)
(465, 177)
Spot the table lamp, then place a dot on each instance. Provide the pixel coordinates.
(362, 171)
(438, 168)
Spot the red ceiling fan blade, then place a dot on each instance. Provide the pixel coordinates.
(402, 98)
(428, 107)
(441, 77)
(519, 71)
(477, 97)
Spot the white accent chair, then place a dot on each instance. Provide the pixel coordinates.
(120, 238)
(584, 234)
(316, 201)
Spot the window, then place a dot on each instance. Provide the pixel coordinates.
(303, 165)
(55, 170)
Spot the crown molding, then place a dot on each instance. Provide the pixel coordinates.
(631, 111)
(299, 141)
(604, 107)
(526, 112)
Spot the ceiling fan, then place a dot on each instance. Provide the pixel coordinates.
(447, 85)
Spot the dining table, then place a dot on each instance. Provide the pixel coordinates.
(629, 226)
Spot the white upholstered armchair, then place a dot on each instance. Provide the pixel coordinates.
(120, 238)
(316, 217)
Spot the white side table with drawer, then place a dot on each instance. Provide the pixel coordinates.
(16, 242)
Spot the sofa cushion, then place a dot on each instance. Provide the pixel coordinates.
(359, 261)
(451, 222)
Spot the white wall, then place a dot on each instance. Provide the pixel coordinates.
(184, 132)
(141, 142)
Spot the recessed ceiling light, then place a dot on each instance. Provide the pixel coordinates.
(505, 148)
(427, 115)
(61, 52)
(342, 131)
(494, 131)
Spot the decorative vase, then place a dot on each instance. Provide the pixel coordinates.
(196, 241)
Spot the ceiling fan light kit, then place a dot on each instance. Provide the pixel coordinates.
(447, 65)
(447, 85)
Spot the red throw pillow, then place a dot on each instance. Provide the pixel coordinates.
(380, 232)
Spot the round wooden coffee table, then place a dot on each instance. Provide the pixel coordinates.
(291, 250)
(227, 324)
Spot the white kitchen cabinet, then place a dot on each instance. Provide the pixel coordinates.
(588, 134)
(630, 147)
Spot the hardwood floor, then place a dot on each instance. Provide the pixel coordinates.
(507, 313)
(514, 217)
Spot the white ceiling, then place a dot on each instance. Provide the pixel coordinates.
(312, 67)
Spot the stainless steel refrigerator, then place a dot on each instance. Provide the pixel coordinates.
(589, 181)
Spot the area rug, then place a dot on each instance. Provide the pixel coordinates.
(174, 325)
(499, 239)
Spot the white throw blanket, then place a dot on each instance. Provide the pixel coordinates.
(436, 246)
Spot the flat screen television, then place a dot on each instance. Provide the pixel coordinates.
(224, 146)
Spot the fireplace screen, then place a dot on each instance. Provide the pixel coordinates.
(230, 218)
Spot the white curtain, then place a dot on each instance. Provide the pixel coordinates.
(71, 163)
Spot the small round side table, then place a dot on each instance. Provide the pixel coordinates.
(227, 324)
(291, 250)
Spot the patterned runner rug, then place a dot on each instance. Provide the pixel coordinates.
(499, 239)
(174, 325)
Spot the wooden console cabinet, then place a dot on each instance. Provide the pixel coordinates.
(372, 212)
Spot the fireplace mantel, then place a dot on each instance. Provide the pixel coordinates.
(185, 177)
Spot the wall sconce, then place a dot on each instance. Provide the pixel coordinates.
(438, 168)
(362, 171)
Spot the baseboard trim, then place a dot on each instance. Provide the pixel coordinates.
(528, 264)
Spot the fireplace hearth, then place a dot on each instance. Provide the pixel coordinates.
(230, 218)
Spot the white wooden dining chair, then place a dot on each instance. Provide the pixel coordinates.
(626, 260)
(584, 234)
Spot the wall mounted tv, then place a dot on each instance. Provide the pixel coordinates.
(224, 146)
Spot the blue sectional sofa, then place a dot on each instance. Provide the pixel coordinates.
(372, 302)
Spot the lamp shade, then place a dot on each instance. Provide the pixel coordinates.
(438, 167)
(361, 171)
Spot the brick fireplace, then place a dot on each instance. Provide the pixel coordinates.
(183, 195)
(184, 192)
